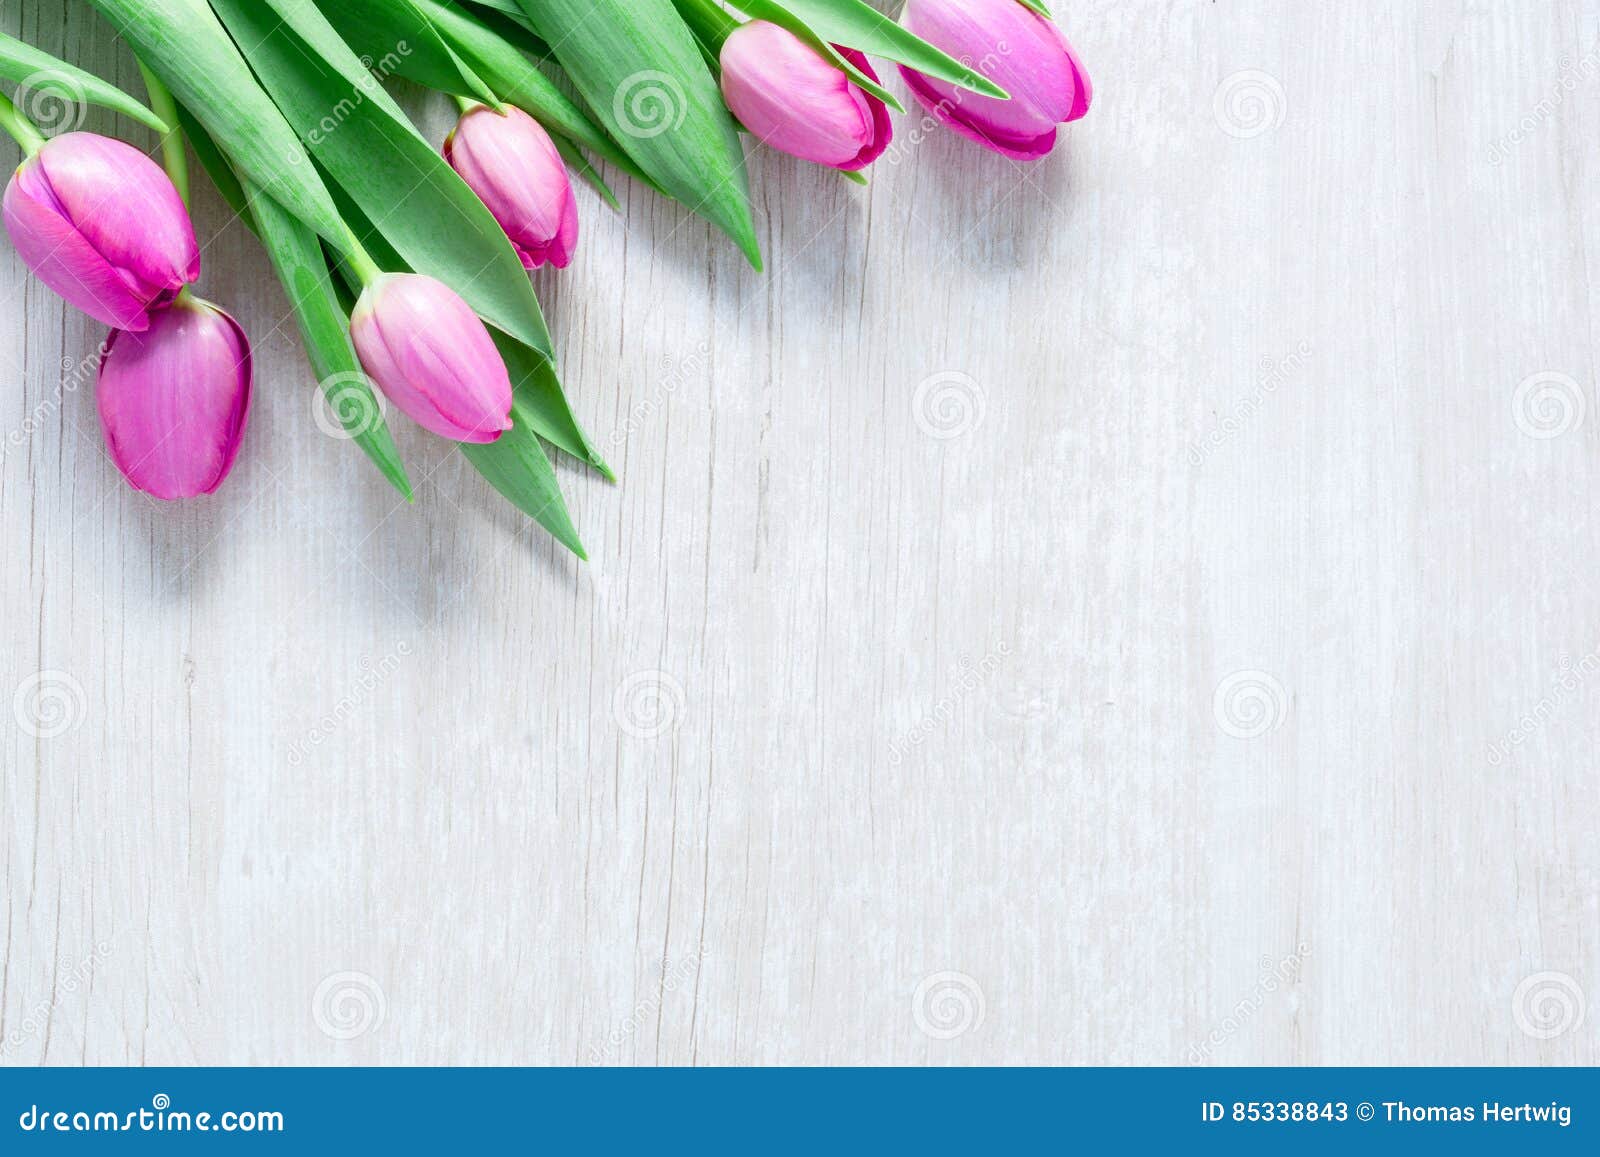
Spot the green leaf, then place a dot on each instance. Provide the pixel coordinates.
(216, 166)
(534, 379)
(860, 26)
(41, 73)
(576, 160)
(325, 328)
(517, 466)
(639, 68)
(182, 43)
(370, 150)
(395, 38)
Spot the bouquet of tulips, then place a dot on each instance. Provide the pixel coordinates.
(406, 263)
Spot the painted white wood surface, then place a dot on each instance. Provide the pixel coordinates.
(957, 757)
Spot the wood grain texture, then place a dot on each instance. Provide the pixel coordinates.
(1136, 608)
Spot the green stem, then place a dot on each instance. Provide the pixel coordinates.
(360, 261)
(173, 157)
(20, 127)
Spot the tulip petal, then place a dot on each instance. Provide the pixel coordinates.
(60, 257)
(174, 400)
(514, 167)
(882, 123)
(126, 207)
(1022, 52)
(433, 358)
(794, 100)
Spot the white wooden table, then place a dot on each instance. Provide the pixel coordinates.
(1138, 608)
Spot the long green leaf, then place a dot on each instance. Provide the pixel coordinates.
(639, 68)
(372, 152)
(325, 328)
(182, 43)
(43, 74)
(517, 466)
(860, 26)
(394, 37)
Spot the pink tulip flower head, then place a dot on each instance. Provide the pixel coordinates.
(796, 101)
(432, 357)
(103, 226)
(1020, 51)
(174, 399)
(512, 164)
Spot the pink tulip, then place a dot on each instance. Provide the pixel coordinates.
(1019, 50)
(513, 166)
(103, 226)
(174, 399)
(432, 357)
(796, 101)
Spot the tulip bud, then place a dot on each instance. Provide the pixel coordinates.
(432, 357)
(174, 399)
(1022, 52)
(512, 164)
(795, 100)
(103, 226)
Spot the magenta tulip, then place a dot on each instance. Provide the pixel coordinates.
(174, 399)
(432, 357)
(1020, 51)
(512, 164)
(794, 99)
(103, 226)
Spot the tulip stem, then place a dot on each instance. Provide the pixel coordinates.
(175, 160)
(20, 127)
(361, 262)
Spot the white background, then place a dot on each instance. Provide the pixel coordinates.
(1136, 608)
